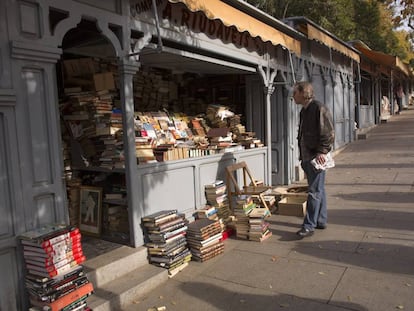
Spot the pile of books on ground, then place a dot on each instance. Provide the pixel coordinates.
(244, 205)
(206, 212)
(55, 280)
(250, 219)
(165, 233)
(204, 237)
(258, 226)
(216, 196)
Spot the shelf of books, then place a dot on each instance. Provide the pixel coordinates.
(174, 119)
(55, 279)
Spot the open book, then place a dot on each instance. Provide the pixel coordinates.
(329, 162)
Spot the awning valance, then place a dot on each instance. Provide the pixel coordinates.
(385, 59)
(314, 33)
(230, 16)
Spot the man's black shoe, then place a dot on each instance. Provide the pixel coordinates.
(304, 232)
(322, 226)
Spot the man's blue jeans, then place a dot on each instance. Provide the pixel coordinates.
(317, 212)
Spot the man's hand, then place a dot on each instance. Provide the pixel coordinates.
(320, 158)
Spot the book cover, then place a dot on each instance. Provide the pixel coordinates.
(66, 300)
(158, 215)
(66, 237)
(52, 272)
(45, 232)
(57, 249)
(214, 184)
(53, 263)
(52, 294)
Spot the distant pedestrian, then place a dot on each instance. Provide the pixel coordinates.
(315, 138)
(399, 93)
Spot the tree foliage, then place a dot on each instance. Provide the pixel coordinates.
(404, 12)
(372, 21)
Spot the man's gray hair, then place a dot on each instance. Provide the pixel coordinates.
(305, 87)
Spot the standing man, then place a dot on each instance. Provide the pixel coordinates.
(399, 93)
(315, 138)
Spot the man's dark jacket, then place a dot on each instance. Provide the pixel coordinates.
(317, 128)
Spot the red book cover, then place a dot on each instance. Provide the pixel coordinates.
(52, 272)
(66, 238)
(36, 254)
(58, 247)
(56, 261)
(59, 304)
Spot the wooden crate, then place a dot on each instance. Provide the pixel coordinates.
(292, 206)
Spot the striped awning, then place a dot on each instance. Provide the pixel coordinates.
(230, 16)
(315, 34)
(383, 59)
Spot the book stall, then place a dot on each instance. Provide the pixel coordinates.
(176, 118)
(55, 279)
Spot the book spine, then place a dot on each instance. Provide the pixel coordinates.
(70, 298)
(54, 271)
(61, 237)
(71, 261)
(62, 248)
(66, 237)
(75, 238)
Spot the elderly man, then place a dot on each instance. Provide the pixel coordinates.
(315, 138)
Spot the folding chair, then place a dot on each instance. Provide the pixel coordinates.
(250, 186)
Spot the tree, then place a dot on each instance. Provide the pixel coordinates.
(371, 21)
(404, 12)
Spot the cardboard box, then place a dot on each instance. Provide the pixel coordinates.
(292, 206)
(104, 81)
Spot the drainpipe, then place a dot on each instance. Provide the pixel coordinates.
(268, 78)
(291, 68)
(157, 25)
(358, 95)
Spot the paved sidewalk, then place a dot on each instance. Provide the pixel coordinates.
(364, 260)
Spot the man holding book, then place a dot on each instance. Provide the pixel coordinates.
(315, 138)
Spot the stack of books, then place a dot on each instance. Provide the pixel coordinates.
(209, 212)
(165, 232)
(244, 206)
(55, 280)
(250, 219)
(258, 227)
(204, 237)
(216, 196)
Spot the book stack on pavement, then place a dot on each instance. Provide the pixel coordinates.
(208, 211)
(258, 227)
(216, 196)
(165, 232)
(204, 237)
(55, 280)
(244, 206)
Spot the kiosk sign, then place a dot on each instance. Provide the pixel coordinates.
(173, 16)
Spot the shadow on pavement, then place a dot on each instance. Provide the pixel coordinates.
(381, 197)
(372, 218)
(219, 298)
(380, 257)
